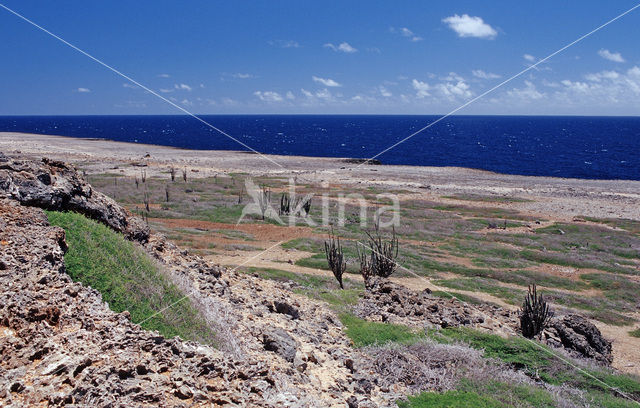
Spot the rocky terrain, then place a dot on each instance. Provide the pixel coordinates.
(60, 344)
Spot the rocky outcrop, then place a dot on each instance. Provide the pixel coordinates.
(55, 185)
(578, 334)
(389, 302)
(60, 344)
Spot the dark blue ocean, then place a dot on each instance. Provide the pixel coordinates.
(582, 147)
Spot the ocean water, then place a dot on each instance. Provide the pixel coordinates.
(577, 147)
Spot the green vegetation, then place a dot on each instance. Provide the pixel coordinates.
(539, 361)
(635, 333)
(449, 399)
(366, 333)
(484, 394)
(127, 278)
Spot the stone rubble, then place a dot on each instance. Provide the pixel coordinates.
(386, 301)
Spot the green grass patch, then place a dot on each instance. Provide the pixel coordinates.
(450, 399)
(127, 278)
(635, 333)
(366, 333)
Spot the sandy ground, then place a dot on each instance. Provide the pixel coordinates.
(553, 199)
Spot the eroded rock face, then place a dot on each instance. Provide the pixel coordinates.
(58, 186)
(578, 334)
(389, 302)
(60, 344)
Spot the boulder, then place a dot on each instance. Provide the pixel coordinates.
(578, 334)
(280, 342)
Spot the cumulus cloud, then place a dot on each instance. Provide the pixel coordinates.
(529, 57)
(468, 26)
(164, 76)
(529, 91)
(326, 81)
(182, 87)
(268, 96)
(608, 85)
(83, 90)
(290, 95)
(165, 90)
(421, 88)
(453, 90)
(129, 85)
(342, 47)
(478, 73)
(611, 56)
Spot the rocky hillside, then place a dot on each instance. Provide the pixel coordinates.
(60, 344)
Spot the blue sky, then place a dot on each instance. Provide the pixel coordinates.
(319, 57)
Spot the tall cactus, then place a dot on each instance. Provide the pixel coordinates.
(535, 313)
(335, 257)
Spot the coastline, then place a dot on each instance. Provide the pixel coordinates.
(560, 198)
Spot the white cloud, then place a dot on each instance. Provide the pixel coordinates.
(529, 57)
(306, 93)
(452, 90)
(164, 90)
(343, 47)
(268, 96)
(467, 26)
(599, 76)
(385, 92)
(326, 82)
(478, 73)
(83, 90)
(240, 75)
(526, 93)
(405, 32)
(422, 88)
(186, 102)
(290, 95)
(129, 85)
(324, 94)
(284, 43)
(163, 75)
(611, 56)
(452, 76)
(182, 87)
